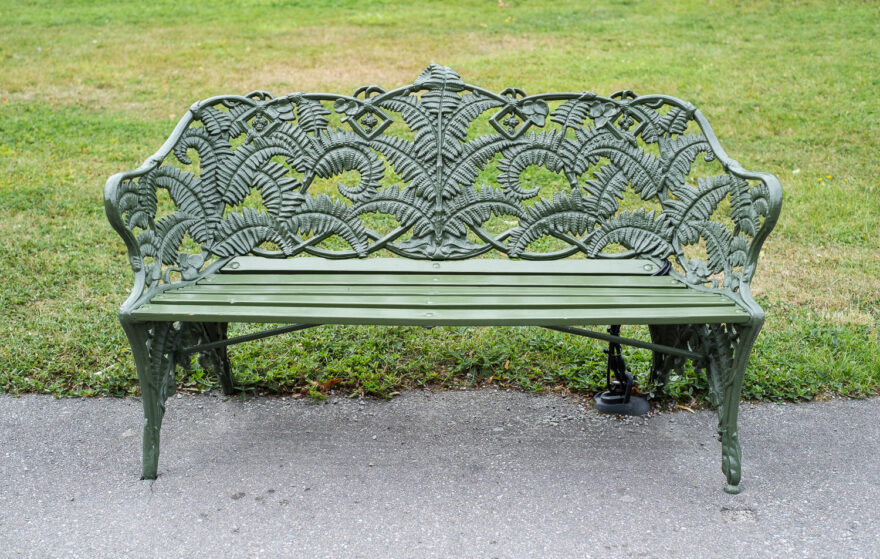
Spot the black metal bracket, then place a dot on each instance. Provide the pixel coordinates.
(617, 366)
(618, 397)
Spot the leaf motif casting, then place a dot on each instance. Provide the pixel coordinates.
(424, 156)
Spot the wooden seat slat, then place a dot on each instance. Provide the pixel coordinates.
(486, 290)
(247, 264)
(194, 312)
(526, 300)
(485, 279)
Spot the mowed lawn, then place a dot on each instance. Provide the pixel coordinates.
(88, 89)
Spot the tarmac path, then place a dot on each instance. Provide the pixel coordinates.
(482, 473)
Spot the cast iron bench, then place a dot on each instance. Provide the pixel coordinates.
(235, 219)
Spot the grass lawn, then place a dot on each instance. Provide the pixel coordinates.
(88, 89)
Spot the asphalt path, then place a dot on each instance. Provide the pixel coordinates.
(482, 473)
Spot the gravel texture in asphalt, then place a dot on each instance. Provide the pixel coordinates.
(483, 473)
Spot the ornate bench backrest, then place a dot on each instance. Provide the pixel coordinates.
(441, 169)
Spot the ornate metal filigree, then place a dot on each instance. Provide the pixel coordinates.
(229, 148)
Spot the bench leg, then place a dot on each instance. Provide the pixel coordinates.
(153, 346)
(729, 350)
(662, 364)
(217, 360)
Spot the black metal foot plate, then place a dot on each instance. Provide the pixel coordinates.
(606, 402)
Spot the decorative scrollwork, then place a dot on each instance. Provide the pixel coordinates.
(244, 169)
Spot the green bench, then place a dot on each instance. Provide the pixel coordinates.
(386, 207)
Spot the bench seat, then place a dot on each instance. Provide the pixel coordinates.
(391, 291)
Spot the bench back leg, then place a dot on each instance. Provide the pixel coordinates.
(216, 360)
(153, 346)
(672, 335)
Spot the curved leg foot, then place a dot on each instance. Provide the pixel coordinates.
(731, 457)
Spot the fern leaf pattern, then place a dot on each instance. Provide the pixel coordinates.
(323, 215)
(410, 210)
(311, 116)
(242, 232)
(693, 206)
(605, 191)
(679, 155)
(564, 215)
(137, 202)
(571, 114)
(541, 150)
(638, 231)
(436, 170)
(471, 209)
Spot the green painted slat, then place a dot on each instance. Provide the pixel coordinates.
(489, 291)
(442, 279)
(441, 317)
(472, 266)
(443, 301)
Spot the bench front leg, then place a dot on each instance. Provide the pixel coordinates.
(153, 346)
(729, 350)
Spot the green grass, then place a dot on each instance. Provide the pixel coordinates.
(92, 88)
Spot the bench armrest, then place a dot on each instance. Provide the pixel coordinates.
(763, 204)
(130, 205)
